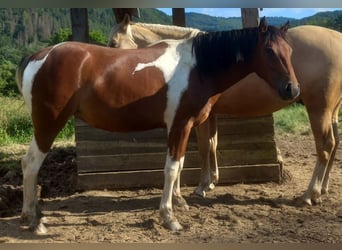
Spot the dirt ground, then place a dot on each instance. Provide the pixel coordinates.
(229, 214)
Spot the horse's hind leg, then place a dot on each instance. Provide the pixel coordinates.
(207, 143)
(31, 164)
(214, 171)
(325, 185)
(321, 124)
(44, 135)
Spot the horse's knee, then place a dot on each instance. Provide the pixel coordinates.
(326, 148)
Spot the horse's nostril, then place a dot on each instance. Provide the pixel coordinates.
(288, 87)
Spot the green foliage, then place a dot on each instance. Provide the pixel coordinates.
(61, 35)
(335, 23)
(7, 75)
(16, 125)
(292, 120)
(97, 36)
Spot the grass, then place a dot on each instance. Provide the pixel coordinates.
(16, 126)
(292, 119)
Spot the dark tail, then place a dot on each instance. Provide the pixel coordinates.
(20, 71)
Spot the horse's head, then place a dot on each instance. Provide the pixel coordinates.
(121, 35)
(273, 60)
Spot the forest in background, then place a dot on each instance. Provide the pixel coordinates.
(23, 31)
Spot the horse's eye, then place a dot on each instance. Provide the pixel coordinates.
(270, 52)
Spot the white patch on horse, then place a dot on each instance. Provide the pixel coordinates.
(28, 76)
(175, 64)
(31, 165)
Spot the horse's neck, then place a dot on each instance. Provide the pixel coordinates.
(145, 34)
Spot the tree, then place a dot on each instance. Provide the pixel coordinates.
(337, 23)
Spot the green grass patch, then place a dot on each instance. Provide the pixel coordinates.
(16, 126)
(292, 119)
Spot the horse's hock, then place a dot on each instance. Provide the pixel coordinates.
(246, 153)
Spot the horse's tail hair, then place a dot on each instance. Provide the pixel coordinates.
(20, 71)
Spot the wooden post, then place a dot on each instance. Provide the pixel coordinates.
(250, 17)
(79, 23)
(119, 13)
(178, 16)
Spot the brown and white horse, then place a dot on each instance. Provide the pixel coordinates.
(172, 84)
(317, 68)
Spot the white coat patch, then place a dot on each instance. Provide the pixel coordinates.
(175, 64)
(28, 76)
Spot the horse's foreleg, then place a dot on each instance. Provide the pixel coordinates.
(177, 197)
(31, 164)
(165, 210)
(325, 143)
(177, 141)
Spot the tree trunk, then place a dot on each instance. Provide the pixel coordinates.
(79, 23)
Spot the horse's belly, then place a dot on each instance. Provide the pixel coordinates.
(249, 97)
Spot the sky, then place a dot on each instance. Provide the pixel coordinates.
(235, 12)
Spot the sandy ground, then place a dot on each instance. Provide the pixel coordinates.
(229, 214)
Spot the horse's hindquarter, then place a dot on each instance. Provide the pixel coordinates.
(316, 60)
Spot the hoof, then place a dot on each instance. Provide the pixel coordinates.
(173, 226)
(179, 201)
(305, 201)
(40, 229)
(211, 186)
(317, 201)
(324, 191)
(199, 191)
(302, 201)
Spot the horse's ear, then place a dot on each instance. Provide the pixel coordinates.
(263, 26)
(285, 27)
(125, 21)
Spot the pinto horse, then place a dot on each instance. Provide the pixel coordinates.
(172, 84)
(317, 68)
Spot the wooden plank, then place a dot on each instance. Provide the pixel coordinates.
(226, 126)
(87, 148)
(155, 178)
(152, 161)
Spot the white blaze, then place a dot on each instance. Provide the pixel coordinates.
(175, 64)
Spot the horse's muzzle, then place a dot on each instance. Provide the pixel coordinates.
(290, 91)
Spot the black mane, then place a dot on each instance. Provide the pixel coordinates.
(215, 51)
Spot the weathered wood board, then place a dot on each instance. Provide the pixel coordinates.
(246, 153)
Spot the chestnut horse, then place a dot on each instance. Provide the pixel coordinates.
(172, 84)
(317, 68)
